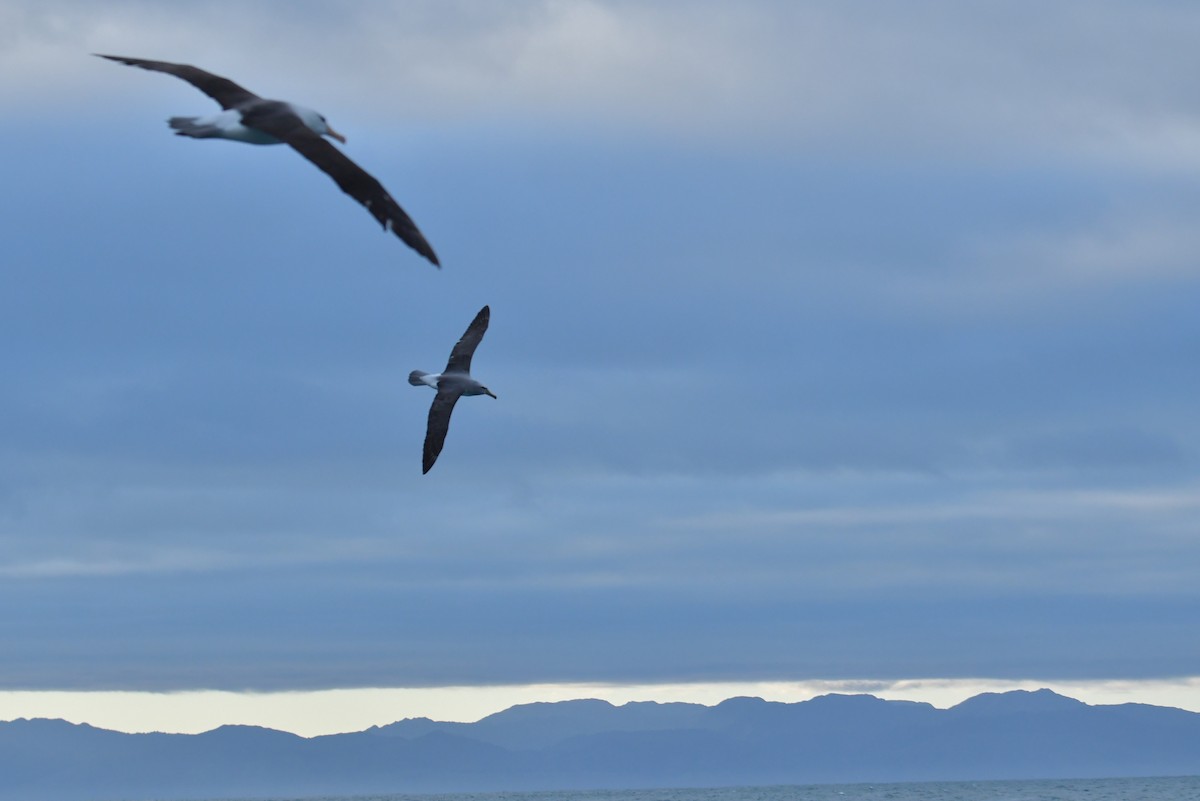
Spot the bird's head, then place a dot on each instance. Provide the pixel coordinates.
(325, 129)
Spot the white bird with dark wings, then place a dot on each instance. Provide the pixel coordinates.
(451, 384)
(246, 117)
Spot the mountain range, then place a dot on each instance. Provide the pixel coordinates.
(593, 744)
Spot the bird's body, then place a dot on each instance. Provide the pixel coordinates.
(451, 384)
(246, 117)
(460, 383)
(229, 124)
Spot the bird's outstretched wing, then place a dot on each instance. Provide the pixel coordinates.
(222, 90)
(435, 430)
(353, 179)
(278, 120)
(464, 349)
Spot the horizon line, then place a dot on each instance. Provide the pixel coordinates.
(311, 713)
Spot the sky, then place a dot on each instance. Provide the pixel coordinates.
(836, 345)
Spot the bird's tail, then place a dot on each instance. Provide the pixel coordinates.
(415, 377)
(187, 126)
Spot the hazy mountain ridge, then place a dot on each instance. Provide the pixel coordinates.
(592, 744)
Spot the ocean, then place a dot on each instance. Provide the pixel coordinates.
(1177, 788)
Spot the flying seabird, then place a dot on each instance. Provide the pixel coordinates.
(246, 117)
(451, 384)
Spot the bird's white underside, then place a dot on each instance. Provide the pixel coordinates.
(229, 122)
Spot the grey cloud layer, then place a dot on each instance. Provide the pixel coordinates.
(1102, 79)
(765, 412)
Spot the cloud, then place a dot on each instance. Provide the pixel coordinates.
(831, 341)
(934, 78)
(1120, 251)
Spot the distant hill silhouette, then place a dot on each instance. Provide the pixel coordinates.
(593, 744)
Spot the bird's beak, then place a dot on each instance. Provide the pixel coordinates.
(334, 134)
(488, 391)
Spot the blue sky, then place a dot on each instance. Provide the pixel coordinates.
(833, 341)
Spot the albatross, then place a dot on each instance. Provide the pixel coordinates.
(246, 117)
(451, 384)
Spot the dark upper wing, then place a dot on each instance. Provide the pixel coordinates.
(273, 118)
(435, 430)
(222, 90)
(464, 349)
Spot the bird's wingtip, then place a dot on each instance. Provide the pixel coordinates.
(126, 60)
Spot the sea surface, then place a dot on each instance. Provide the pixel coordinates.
(1179, 788)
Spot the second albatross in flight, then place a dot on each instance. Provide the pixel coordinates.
(246, 117)
(451, 384)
